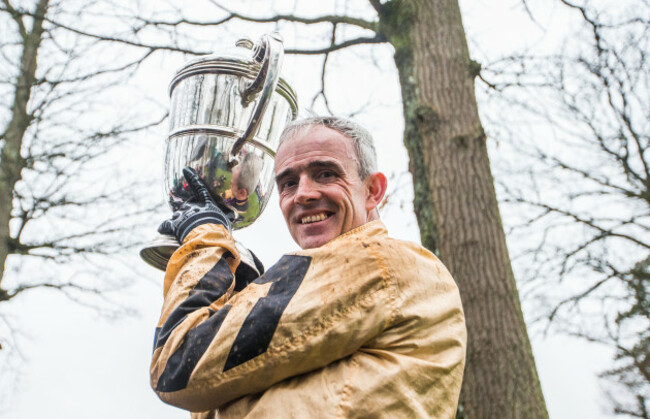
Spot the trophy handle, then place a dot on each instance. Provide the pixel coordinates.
(269, 51)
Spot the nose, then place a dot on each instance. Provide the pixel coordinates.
(307, 191)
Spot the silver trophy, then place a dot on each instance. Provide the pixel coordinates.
(226, 116)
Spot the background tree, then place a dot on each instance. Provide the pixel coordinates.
(63, 207)
(579, 122)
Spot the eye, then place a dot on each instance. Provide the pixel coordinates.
(326, 174)
(286, 184)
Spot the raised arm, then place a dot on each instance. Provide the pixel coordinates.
(215, 345)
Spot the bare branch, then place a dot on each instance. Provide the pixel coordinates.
(16, 16)
(8, 295)
(333, 19)
(379, 39)
(530, 14)
(376, 4)
(594, 24)
(587, 222)
(322, 79)
(134, 63)
(107, 38)
(574, 299)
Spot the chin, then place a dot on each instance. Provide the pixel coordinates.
(309, 244)
(312, 242)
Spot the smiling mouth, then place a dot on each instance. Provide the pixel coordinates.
(314, 218)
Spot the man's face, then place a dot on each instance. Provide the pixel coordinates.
(321, 193)
(237, 192)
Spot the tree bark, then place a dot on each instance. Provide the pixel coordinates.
(11, 160)
(456, 205)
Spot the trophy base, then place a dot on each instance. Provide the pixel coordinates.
(158, 252)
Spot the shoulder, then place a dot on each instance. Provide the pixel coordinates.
(428, 302)
(414, 272)
(408, 261)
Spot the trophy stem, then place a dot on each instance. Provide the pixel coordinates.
(159, 251)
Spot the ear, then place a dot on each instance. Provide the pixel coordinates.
(376, 185)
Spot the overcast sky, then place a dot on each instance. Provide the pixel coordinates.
(78, 364)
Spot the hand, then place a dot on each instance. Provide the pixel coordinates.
(199, 209)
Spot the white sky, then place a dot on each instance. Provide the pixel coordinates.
(80, 365)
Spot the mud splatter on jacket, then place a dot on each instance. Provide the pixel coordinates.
(364, 326)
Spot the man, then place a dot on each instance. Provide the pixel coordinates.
(354, 325)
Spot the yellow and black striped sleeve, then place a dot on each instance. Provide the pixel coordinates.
(198, 282)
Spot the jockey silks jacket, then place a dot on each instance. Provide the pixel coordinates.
(364, 326)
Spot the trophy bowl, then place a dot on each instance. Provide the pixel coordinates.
(226, 115)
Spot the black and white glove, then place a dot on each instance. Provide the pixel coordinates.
(199, 209)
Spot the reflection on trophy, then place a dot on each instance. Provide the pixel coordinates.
(245, 177)
(226, 116)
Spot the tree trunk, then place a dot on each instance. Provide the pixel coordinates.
(456, 205)
(11, 160)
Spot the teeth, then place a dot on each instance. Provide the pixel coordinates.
(313, 218)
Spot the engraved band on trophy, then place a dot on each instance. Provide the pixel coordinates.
(226, 116)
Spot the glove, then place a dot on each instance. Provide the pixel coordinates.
(199, 209)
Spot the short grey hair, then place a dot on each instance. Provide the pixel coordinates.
(361, 138)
